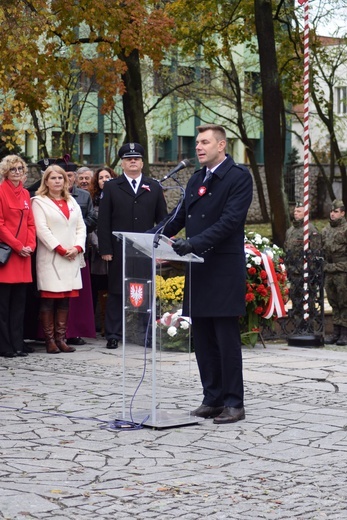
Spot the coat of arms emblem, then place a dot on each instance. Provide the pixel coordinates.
(136, 294)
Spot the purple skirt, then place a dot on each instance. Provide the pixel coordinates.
(81, 320)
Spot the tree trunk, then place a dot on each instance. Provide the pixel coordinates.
(259, 185)
(135, 122)
(273, 124)
(236, 88)
(40, 135)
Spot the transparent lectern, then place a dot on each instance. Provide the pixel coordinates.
(155, 385)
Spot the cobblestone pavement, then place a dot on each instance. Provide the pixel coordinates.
(61, 459)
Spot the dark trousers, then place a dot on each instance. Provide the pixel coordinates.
(335, 286)
(142, 330)
(113, 316)
(217, 346)
(99, 283)
(12, 307)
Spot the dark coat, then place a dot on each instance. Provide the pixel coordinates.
(214, 223)
(123, 210)
(84, 200)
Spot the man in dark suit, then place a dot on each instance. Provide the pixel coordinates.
(214, 212)
(134, 203)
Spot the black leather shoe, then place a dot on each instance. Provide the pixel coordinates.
(9, 354)
(75, 341)
(28, 349)
(112, 343)
(230, 415)
(21, 353)
(207, 412)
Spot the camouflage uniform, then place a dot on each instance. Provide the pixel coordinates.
(335, 267)
(294, 259)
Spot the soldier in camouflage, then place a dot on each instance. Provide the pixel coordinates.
(334, 237)
(294, 259)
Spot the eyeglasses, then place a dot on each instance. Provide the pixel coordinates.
(20, 169)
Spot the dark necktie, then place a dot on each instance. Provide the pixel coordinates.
(133, 182)
(208, 175)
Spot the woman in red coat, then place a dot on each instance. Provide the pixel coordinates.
(17, 229)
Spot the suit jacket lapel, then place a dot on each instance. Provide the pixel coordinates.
(144, 186)
(198, 187)
(125, 186)
(198, 183)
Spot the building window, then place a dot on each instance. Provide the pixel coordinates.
(111, 142)
(341, 100)
(252, 83)
(56, 144)
(186, 147)
(87, 83)
(161, 80)
(85, 146)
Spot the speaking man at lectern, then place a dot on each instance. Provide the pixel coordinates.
(213, 214)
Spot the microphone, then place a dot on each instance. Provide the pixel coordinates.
(180, 166)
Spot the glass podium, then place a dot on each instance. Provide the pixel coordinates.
(155, 389)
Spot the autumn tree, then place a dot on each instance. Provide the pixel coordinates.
(273, 118)
(328, 66)
(43, 42)
(210, 37)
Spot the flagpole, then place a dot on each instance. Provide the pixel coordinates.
(306, 238)
(309, 339)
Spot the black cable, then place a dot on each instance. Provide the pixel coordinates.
(114, 425)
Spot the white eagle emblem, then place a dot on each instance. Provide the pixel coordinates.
(136, 294)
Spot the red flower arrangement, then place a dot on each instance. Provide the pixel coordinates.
(266, 286)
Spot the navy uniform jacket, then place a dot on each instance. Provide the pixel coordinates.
(122, 210)
(214, 223)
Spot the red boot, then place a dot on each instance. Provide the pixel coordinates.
(47, 321)
(61, 316)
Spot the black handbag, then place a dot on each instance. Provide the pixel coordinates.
(5, 253)
(5, 249)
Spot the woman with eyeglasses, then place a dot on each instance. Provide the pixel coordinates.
(17, 229)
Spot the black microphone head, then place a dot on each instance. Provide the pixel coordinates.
(186, 163)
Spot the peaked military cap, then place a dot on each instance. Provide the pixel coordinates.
(299, 204)
(131, 150)
(337, 204)
(63, 162)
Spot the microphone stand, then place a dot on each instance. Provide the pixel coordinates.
(173, 216)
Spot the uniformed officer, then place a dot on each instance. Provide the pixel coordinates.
(295, 257)
(334, 237)
(131, 202)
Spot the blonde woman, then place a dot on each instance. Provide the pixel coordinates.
(61, 237)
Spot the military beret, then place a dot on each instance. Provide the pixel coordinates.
(131, 150)
(337, 204)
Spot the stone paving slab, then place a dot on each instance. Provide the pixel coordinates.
(61, 458)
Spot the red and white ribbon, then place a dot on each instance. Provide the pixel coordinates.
(275, 302)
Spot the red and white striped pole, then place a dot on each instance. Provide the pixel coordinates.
(306, 149)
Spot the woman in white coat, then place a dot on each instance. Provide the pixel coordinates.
(61, 237)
